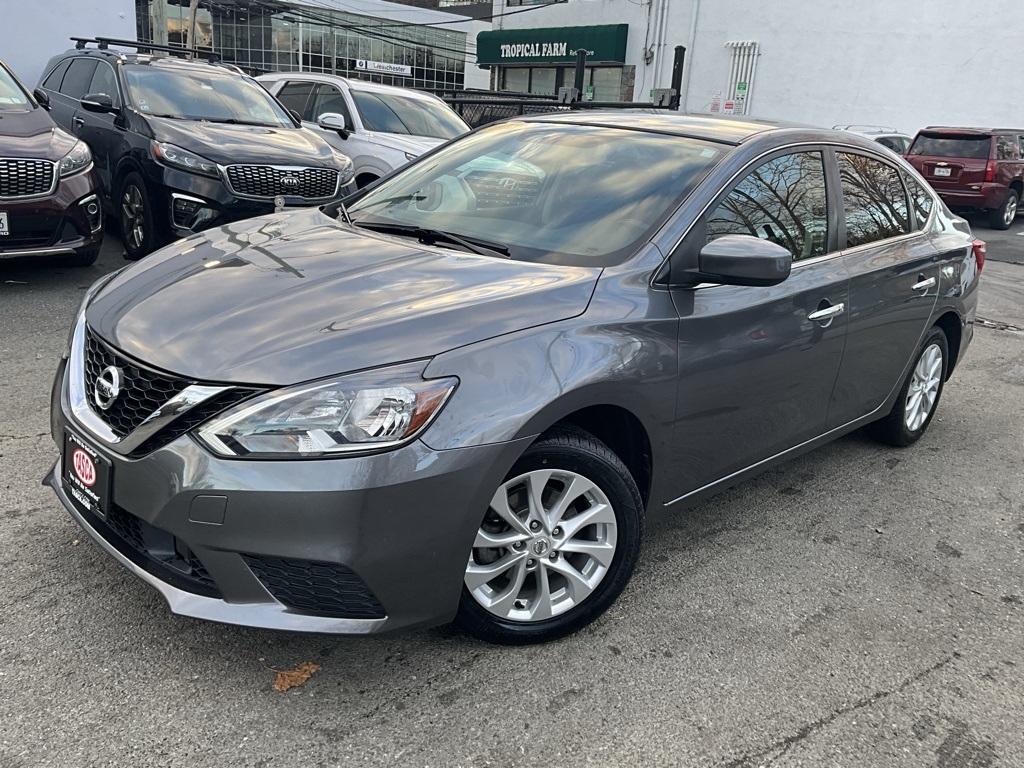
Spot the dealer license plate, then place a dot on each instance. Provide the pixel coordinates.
(5, 224)
(943, 172)
(86, 476)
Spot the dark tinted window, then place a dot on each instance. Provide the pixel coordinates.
(1004, 148)
(104, 81)
(1021, 138)
(330, 99)
(296, 96)
(975, 147)
(784, 201)
(921, 200)
(896, 143)
(874, 200)
(79, 77)
(52, 81)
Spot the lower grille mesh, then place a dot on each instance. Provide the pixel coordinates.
(324, 589)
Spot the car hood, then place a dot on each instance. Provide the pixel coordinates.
(229, 144)
(32, 134)
(415, 145)
(297, 296)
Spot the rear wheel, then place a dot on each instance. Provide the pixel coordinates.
(557, 545)
(919, 397)
(1003, 216)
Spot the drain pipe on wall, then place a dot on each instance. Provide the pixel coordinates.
(684, 97)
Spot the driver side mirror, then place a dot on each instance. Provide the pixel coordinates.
(98, 102)
(744, 260)
(42, 97)
(332, 121)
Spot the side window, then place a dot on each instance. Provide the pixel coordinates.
(104, 81)
(921, 200)
(891, 142)
(1004, 148)
(330, 99)
(1021, 139)
(79, 77)
(296, 96)
(874, 200)
(783, 200)
(52, 81)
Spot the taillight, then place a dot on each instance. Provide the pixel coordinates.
(978, 246)
(990, 171)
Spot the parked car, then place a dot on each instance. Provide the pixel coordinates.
(457, 398)
(974, 169)
(379, 126)
(889, 138)
(184, 145)
(48, 185)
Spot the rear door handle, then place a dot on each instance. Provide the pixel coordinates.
(923, 285)
(828, 312)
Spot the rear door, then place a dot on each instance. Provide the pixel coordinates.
(949, 160)
(894, 283)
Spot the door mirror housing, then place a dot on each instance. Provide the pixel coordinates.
(98, 102)
(42, 97)
(295, 116)
(332, 121)
(744, 260)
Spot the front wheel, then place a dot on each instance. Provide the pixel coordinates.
(919, 397)
(140, 227)
(557, 545)
(1003, 216)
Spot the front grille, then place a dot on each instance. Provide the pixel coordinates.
(502, 190)
(142, 390)
(269, 181)
(25, 178)
(324, 589)
(155, 550)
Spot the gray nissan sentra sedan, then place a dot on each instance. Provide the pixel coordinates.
(458, 399)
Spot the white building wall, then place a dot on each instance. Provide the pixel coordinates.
(34, 30)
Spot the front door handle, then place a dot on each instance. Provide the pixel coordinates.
(78, 122)
(827, 313)
(923, 285)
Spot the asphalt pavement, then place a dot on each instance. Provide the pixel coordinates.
(860, 606)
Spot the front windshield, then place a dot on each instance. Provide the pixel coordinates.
(12, 96)
(558, 194)
(393, 113)
(211, 94)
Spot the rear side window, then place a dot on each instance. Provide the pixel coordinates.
(974, 147)
(295, 96)
(874, 201)
(921, 202)
(784, 201)
(104, 81)
(79, 77)
(1004, 148)
(52, 81)
(895, 143)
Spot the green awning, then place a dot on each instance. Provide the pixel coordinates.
(605, 44)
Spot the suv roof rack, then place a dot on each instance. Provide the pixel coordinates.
(103, 43)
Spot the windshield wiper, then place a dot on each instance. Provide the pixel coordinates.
(429, 236)
(389, 201)
(233, 121)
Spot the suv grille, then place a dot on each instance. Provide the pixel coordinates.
(25, 178)
(324, 589)
(269, 181)
(502, 190)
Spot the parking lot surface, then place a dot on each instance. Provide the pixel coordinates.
(860, 606)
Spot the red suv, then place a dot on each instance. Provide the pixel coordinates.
(973, 168)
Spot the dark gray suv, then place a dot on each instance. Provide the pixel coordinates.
(458, 398)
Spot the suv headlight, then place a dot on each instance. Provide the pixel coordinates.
(346, 168)
(182, 159)
(357, 413)
(78, 159)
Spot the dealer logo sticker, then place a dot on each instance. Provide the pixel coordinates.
(84, 467)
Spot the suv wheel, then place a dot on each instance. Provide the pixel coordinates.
(557, 545)
(135, 212)
(1003, 216)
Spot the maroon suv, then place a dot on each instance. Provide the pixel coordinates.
(48, 185)
(974, 168)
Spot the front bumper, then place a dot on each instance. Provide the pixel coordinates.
(284, 534)
(57, 224)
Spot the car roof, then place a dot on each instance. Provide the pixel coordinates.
(869, 130)
(968, 131)
(353, 82)
(149, 59)
(725, 129)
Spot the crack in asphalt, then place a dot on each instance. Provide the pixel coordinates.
(998, 325)
(23, 437)
(783, 745)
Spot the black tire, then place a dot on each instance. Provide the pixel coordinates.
(82, 259)
(894, 429)
(141, 229)
(365, 179)
(1003, 216)
(572, 450)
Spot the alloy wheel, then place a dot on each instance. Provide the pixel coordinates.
(545, 544)
(924, 387)
(1010, 211)
(133, 216)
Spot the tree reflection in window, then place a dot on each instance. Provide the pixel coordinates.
(921, 200)
(874, 200)
(783, 201)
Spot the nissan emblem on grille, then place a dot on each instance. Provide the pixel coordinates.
(108, 387)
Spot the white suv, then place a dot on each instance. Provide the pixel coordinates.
(379, 127)
(889, 138)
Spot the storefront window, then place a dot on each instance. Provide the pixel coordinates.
(543, 81)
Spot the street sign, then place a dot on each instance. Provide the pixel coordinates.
(588, 93)
(741, 90)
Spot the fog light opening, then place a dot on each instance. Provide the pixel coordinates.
(190, 213)
(93, 212)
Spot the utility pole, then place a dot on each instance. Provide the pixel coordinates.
(190, 38)
(158, 17)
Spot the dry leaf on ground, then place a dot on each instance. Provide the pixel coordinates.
(293, 677)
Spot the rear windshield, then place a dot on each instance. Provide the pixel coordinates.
(975, 147)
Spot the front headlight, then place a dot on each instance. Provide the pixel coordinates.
(361, 412)
(346, 168)
(78, 159)
(182, 159)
